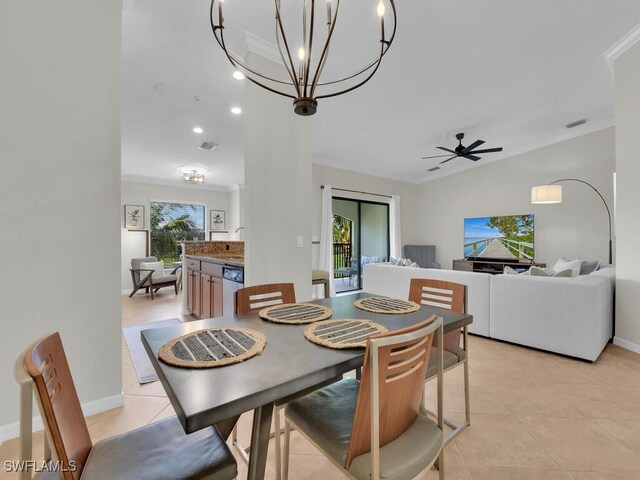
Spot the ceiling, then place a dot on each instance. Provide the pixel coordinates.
(512, 73)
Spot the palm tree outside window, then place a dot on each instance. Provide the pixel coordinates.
(173, 223)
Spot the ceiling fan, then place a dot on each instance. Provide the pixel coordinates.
(466, 152)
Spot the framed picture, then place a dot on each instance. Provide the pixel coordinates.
(134, 217)
(217, 220)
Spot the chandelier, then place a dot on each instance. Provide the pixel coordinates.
(193, 176)
(305, 77)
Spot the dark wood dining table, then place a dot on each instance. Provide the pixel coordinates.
(288, 364)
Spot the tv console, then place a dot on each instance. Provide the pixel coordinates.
(493, 267)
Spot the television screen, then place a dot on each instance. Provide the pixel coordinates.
(505, 238)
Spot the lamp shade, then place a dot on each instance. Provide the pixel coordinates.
(546, 194)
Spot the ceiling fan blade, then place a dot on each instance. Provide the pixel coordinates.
(472, 157)
(445, 161)
(447, 150)
(475, 144)
(435, 156)
(488, 150)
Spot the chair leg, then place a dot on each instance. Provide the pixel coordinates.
(285, 454)
(151, 292)
(276, 438)
(441, 464)
(467, 405)
(175, 286)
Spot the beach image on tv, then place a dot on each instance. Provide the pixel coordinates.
(507, 237)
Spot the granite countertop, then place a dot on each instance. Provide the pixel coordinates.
(234, 261)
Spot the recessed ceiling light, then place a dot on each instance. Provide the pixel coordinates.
(236, 110)
(160, 88)
(238, 75)
(197, 130)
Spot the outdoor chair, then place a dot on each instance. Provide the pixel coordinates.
(151, 279)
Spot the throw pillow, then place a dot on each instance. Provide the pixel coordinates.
(589, 267)
(563, 264)
(509, 271)
(157, 267)
(548, 272)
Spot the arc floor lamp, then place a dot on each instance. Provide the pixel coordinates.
(552, 193)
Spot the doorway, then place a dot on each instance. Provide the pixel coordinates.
(360, 236)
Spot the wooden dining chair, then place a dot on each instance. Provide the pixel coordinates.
(159, 451)
(257, 297)
(448, 296)
(378, 427)
(253, 299)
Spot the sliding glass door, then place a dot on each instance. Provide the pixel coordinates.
(360, 236)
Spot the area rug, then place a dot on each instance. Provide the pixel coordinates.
(145, 371)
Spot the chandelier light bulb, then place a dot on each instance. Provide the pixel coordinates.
(238, 75)
(301, 53)
(380, 9)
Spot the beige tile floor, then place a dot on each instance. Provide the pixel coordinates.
(535, 416)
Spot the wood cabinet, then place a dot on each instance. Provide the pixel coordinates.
(211, 296)
(204, 289)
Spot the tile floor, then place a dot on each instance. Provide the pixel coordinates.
(535, 416)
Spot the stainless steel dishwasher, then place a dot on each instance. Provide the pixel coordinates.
(232, 280)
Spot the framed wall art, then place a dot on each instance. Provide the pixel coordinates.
(134, 217)
(217, 221)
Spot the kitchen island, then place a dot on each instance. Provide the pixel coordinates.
(213, 271)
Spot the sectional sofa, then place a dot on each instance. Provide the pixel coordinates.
(570, 316)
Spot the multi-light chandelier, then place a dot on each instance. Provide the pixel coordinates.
(193, 176)
(305, 76)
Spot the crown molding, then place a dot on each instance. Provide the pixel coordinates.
(623, 44)
(254, 44)
(174, 183)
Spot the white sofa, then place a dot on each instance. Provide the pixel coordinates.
(383, 279)
(571, 316)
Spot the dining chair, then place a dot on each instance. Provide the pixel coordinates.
(159, 451)
(257, 297)
(253, 299)
(378, 427)
(448, 296)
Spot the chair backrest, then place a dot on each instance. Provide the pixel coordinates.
(47, 364)
(251, 299)
(135, 265)
(441, 294)
(392, 384)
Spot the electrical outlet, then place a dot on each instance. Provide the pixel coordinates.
(300, 241)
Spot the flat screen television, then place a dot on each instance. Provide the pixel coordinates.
(500, 238)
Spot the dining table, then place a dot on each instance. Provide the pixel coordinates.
(289, 364)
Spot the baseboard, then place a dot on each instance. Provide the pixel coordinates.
(634, 347)
(12, 430)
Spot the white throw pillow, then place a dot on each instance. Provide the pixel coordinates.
(157, 267)
(509, 271)
(564, 264)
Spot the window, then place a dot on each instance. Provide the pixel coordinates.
(172, 223)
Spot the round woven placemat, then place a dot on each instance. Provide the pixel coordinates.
(393, 306)
(213, 347)
(343, 333)
(295, 313)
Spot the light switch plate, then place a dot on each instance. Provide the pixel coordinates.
(300, 241)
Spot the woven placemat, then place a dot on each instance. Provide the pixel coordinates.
(343, 333)
(213, 347)
(393, 306)
(295, 313)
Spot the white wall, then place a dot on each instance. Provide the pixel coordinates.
(575, 228)
(133, 243)
(60, 191)
(277, 182)
(338, 178)
(627, 82)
